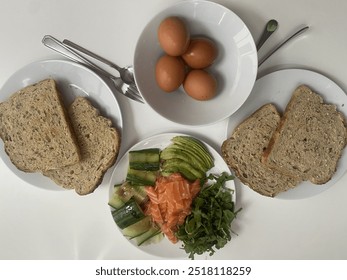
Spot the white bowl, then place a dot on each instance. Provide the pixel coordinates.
(235, 67)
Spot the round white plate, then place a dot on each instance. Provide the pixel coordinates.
(277, 88)
(73, 80)
(164, 248)
(235, 68)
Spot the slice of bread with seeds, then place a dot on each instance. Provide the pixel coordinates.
(309, 140)
(243, 151)
(99, 144)
(35, 129)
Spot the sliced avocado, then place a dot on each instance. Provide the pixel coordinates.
(195, 148)
(175, 152)
(186, 139)
(184, 172)
(192, 151)
(182, 167)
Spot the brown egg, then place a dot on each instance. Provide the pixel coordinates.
(200, 85)
(200, 53)
(173, 36)
(169, 72)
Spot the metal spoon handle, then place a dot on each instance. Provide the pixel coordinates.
(91, 54)
(269, 29)
(297, 33)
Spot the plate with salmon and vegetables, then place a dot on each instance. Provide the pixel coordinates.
(173, 196)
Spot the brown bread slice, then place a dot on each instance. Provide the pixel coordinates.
(99, 144)
(35, 129)
(244, 149)
(309, 140)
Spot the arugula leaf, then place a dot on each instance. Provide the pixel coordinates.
(208, 227)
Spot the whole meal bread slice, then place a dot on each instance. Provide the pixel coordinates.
(35, 129)
(243, 151)
(309, 140)
(99, 144)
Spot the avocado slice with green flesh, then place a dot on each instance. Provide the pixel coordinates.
(196, 147)
(182, 167)
(175, 152)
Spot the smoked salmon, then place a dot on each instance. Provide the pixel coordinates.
(170, 202)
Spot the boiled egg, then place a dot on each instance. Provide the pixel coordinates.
(200, 85)
(173, 36)
(201, 53)
(169, 72)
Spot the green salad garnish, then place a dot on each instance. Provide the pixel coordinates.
(208, 227)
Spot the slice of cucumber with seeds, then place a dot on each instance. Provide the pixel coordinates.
(130, 213)
(141, 177)
(138, 228)
(123, 192)
(145, 159)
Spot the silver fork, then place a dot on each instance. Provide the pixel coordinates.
(126, 73)
(123, 88)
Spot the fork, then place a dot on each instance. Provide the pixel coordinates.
(126, 73)
(128, 90)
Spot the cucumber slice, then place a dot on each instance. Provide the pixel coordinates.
(138, 228)
(128, 214)
(154, 239)
(146, 159)
(141, 177)
(145, 237)
(123, 192)
(116, 201)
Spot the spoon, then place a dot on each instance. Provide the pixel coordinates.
(270, 28)
(296, 34)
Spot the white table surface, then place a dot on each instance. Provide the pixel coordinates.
(41, 224)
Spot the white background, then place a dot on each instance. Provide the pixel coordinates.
(39, 224)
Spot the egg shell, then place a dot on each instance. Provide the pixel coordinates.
(173, 36)
(169, 72)
(201, 53)
(200, 85)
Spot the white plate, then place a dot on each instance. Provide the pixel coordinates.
(235, 68)
(164, 248)
(72, 80)
(277, 88)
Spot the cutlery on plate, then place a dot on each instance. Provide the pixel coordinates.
(123, 88)
(296, 34)
(270, 28)
(126, 73)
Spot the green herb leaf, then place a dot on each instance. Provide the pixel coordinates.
(208, 227)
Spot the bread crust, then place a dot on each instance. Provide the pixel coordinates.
(243, 151)
(99, 142)
(36, 130)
